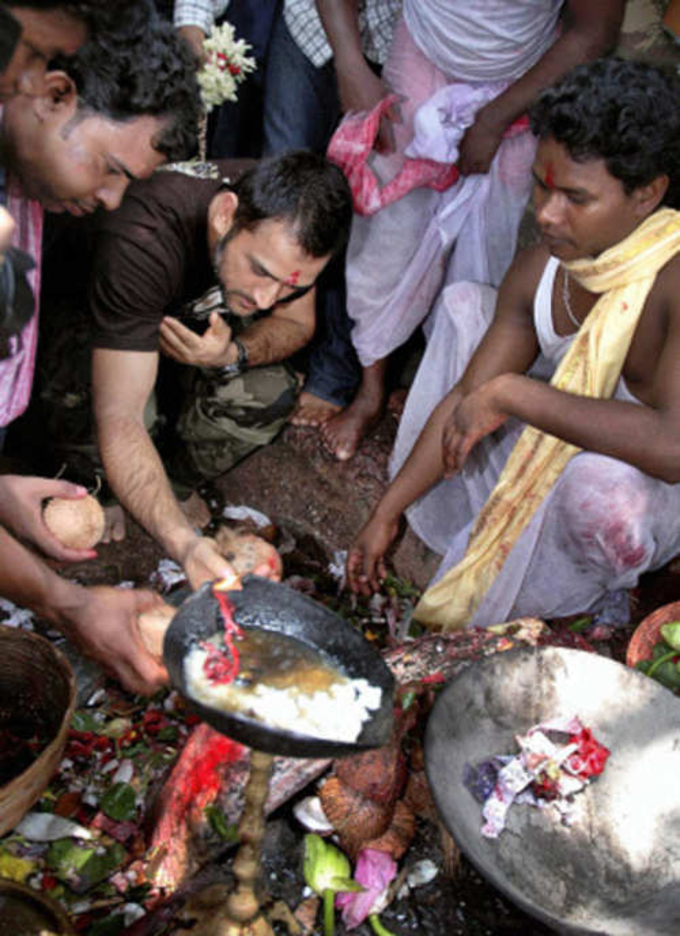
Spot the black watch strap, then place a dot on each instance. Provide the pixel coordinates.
(239, 365)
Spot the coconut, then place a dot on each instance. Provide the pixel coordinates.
(77, 524)
(152, 627)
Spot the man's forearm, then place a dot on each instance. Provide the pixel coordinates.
(340, 19)
(424, 465)
(137, 476)
(580, 42)
(29, 582)
(272, 340)
(632, 432)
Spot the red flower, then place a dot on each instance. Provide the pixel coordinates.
(49, 882)
(154, 721)
(83, 744)
(590, 758)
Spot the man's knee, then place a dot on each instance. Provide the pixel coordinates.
(253, 400)
(602, 505)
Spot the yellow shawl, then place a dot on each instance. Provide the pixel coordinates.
(623, 275)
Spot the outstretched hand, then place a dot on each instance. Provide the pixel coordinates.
(476, 416)
(366, 556)
(21, 511)
(185, 346)
(104, 625)
(203, 562)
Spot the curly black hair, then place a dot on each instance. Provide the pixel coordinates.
(141, 68)
(302, 188)
(624, 112)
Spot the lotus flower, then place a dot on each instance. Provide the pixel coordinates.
(375, 870)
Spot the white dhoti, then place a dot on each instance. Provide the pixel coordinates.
(602, 525)
(399, 258)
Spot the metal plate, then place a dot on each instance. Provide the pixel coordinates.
(616, 869)
(272, 606)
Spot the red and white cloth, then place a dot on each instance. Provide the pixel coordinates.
(17, 370)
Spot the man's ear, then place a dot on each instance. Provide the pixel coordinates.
(649, 197)
(221, 214)
(58, 97)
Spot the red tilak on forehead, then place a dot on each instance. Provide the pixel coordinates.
(292, 280)
(549, 177)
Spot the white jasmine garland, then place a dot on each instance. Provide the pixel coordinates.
(226, 67)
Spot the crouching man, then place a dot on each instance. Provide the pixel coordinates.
(218, 275)
(551, 498)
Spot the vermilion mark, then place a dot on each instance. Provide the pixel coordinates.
(292, 280)
(549, 177)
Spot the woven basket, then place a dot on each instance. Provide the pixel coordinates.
(23, 910)
(37, 692)
(646, 634)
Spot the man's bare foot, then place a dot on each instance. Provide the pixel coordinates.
(311, 410)
(114, 530)
(343, 433)
(196, 510)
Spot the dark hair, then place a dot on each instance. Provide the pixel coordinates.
(624, 112)
(141, 68)
(303, 189)
(97, 14)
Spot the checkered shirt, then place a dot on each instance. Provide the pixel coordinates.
(376, 22)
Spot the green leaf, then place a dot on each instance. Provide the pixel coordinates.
(16, 869)
(668, 675)
(400, 587)
(324, 864)
(659, 649)
(82, 866)
(134, 750)
(84, 721)
(580, 624)
(408, 699)
(170, 733)
(671, 634)
(119, 802)
(227, 831)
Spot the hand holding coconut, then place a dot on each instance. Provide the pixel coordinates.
(72, 523)
(202, 562)
(104, 624)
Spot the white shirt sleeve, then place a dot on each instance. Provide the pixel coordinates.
(201, 13)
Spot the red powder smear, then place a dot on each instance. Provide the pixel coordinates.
(203, 768)
(293, 279)
(220, 668)
(550, 177)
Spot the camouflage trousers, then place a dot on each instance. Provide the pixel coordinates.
(223, 419)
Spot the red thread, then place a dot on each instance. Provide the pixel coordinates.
(220, 667)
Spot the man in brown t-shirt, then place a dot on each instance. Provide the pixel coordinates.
(257, 245)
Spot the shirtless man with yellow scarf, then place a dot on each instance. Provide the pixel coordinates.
(547, 471)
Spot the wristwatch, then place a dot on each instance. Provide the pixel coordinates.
(239, 365)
